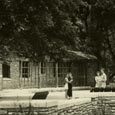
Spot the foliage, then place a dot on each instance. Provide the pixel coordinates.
(34, 28)
(102, 31)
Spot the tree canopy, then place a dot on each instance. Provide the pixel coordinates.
(102, 31)
(35, 28)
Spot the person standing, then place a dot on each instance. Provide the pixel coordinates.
(98, 80)
(68, 85)
(103, 78)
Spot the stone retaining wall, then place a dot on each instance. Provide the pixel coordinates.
(98, 106)
(82, 109)
(43, 107)
(107, 104)
(35, 107)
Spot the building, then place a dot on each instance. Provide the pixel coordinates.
(22, 73)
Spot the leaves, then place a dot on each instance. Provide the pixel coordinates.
(101, 30)
(34, 28)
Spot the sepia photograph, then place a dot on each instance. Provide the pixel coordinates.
(57, 57)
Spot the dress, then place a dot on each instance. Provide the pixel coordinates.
(98, 81)
(69, 91)
(66, 84)
(103, 80)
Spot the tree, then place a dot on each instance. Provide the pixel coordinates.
(35, 28)
(102, 31)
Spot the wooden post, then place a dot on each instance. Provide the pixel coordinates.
(86, 74)
(20, 75)
(35, 65)
(31, 70)
(57, 80)
(1, 82)
(47, 72)
(1, 77)
(39, 76)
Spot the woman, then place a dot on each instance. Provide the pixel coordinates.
(103, 78)
(98, 79)
(68, 85)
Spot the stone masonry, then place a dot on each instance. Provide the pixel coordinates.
(97, 106)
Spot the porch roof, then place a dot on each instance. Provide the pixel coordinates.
(81, 55)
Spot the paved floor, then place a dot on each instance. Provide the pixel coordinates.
(54, 93)
(10, 96)
(76, 94)
(79, 96)
(59, 95)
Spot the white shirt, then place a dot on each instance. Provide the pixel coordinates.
(103, 77)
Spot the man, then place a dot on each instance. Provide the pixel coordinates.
(103, 78)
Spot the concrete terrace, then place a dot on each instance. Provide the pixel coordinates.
(54, 93)
(56, 96)
(14, 97)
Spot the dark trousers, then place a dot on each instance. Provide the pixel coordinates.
(69, 92)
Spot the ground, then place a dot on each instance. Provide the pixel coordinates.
(56, 96)
(54, 93)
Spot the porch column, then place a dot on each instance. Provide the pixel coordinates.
(39, 74)
(20, 75)
(57, 80)
(1, 77)
(86, 74)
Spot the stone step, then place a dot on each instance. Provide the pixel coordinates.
(34, 103)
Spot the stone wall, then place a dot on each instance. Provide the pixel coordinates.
(107, 105)
(45, 107)
(82, 109)
(13, 81)
(35, 107)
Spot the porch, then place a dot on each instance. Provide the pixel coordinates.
(23, 73)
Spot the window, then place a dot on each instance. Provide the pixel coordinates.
(63, 68)
(43, 68)
(25, 69)
(60, 67)
(5, 71)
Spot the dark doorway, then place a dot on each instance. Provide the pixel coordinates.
(5, 71)
(79, 72)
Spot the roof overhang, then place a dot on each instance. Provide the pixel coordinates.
(81, 55)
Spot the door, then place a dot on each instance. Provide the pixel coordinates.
(82, 74)
(79, 73)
